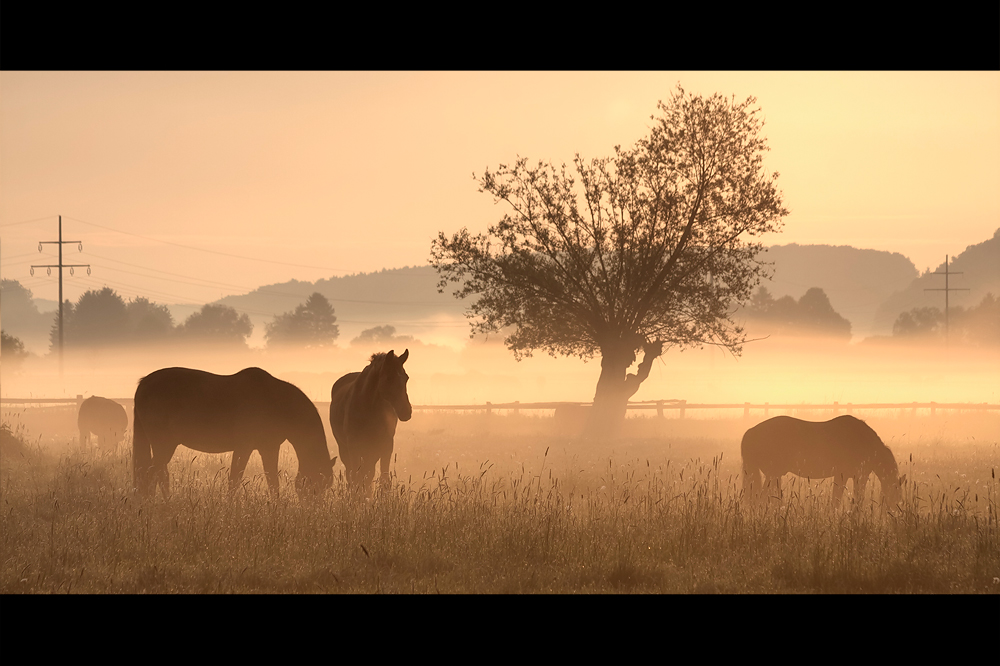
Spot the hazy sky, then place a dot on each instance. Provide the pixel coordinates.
(329, 173)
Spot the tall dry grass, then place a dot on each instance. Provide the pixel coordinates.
(505, 505)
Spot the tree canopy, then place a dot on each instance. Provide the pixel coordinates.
(811, 314)
(381, 335)
(651, 248)
(311, 324)
(217, 324)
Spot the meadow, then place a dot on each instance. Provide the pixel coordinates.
(504, 504)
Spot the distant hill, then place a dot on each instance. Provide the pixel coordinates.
(979, 266)
(395, 296)
(856, 281)
(868, 287)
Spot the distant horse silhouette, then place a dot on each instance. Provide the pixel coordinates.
(364, 409)
(842, 448)
(247, 411)
(104, 418)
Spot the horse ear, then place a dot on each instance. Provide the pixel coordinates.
(391, 354)
(402, 359)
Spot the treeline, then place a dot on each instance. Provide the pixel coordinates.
(977, 326)
(812, 314)
(102, 318)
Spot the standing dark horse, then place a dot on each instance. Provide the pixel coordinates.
(104, 418)
(247, 411)
(844, 448)
(364, 409)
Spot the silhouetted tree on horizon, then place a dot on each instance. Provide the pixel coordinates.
(646, 250)
(977, 326)
(381, 335)
(811, 314)
(11, 350)
(311, 324)
(99, 317)
(216, 324)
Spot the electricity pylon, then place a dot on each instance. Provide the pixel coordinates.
(60, 266)
(946, 290)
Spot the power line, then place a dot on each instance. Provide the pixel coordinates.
(14, 224)
(225, 254)
(60, 266)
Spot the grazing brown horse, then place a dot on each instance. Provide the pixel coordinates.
(247, 411)
(104, 418)
(842, 448)
(364, 409)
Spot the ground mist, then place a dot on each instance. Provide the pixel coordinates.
(504, 504)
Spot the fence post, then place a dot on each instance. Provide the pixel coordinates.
(489, 408)
(683, 407)
(659, 409)
(836, 407)
(517, 410)
(933, 408)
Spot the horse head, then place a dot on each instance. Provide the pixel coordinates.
(392, 384)
(892, 490)
(313, 482)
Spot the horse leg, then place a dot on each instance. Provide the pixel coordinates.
(240, 459)
(752, 491)
(777, 488)
(839, 482)
(269, 457)
(366, 475)
(860, 483)
(386, 477)
(161, 477)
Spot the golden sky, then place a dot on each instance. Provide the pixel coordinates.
(318, 174)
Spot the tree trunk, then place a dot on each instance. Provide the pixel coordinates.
(615, 387)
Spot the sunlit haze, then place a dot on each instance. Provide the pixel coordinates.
(185, 187)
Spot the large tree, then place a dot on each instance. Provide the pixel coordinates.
(99, 318)
(217, 325)
(649, 249)
(311, 324)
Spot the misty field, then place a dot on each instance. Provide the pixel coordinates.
(504, 504)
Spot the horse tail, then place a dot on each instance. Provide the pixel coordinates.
(142, 452)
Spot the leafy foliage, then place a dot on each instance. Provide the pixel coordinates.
(975, 326)
(311, 324)
(11, 350)
(380, 335)
(812, 313)
(656, 242)
(219, 324)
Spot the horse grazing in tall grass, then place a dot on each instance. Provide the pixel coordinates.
(243, 412)
(364, 410)
(104, 418)
(842, 448)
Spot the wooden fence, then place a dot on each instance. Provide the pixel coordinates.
(661, 406)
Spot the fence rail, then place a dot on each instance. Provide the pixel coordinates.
(660, 406)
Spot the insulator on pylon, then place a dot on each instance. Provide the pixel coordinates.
(88, 270)
(79, 247)
(71, 271)
(39, 246)
(48, 271)
(32, 270)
